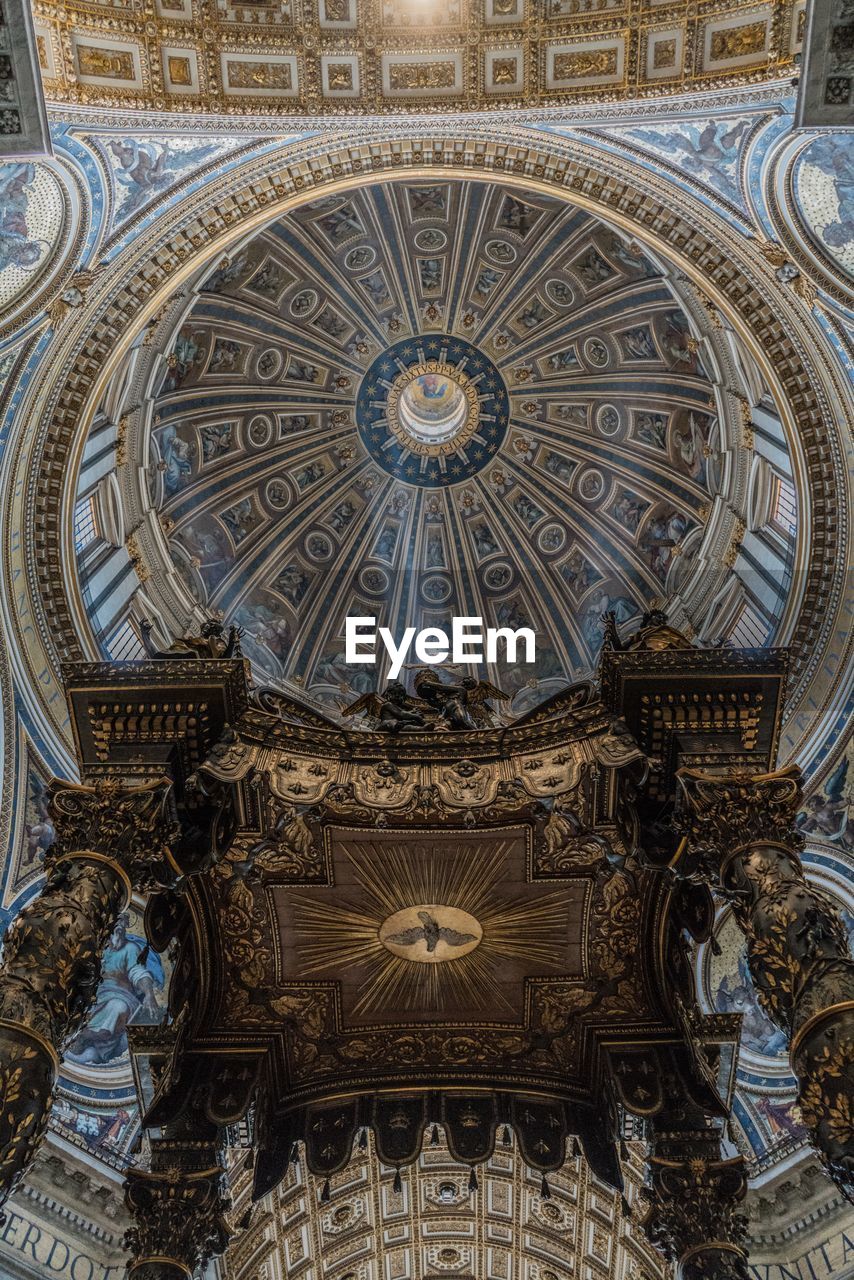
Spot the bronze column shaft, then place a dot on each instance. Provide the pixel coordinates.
(741, 838)
(48, 979)
(109, 838)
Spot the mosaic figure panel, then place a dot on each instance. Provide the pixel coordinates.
(32, 218)
(823, 188)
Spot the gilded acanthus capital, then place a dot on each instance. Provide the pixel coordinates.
(179, 1217)
(694, 1214)
(720, 813)
(132, 827)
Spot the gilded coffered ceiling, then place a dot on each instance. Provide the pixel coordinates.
(434, 1226)
(307, 57)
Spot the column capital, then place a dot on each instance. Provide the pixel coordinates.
(694, 1216)
(179, 1222)
(722, 813)
(133, 828)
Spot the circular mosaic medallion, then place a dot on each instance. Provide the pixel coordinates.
(436, 589)
(304, 302)
(591, 485)
(430, 934)
(552, 538)
(498, 576)
(318, 545)
(278, 492)
(596, 352)
(260, 430)
(432, 411)
(501, 251)
(430, 240)
(360, 258)
(374, 581)
(269, 363)
(559, 292)
(608, 419)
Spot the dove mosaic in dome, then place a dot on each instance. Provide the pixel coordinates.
(434, 398)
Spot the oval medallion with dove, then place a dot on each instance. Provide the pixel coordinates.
(429, 933)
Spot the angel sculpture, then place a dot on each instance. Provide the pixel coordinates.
(391, 711)
(432, 933)
(210, 644)
(460, 706)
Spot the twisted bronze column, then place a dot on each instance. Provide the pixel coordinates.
(693, 1216)
(740, 836)
(110, 838)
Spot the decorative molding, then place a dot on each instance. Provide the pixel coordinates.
(229, 58)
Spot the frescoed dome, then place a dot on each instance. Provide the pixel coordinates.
(429, 399)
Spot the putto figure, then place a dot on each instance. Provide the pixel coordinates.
(461, 706)
(391, 711)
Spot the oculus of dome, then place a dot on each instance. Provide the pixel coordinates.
(434, 407)
(440, 418)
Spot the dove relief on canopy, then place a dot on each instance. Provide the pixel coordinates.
(430, 934)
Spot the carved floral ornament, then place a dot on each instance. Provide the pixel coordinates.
(90, 344)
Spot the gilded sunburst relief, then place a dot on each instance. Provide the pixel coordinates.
(430, 926)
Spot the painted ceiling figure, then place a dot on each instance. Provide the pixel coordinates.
(18, 247)
(131, 976)
(828, 813)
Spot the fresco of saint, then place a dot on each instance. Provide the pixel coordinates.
(131, 977)
(17, 248)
